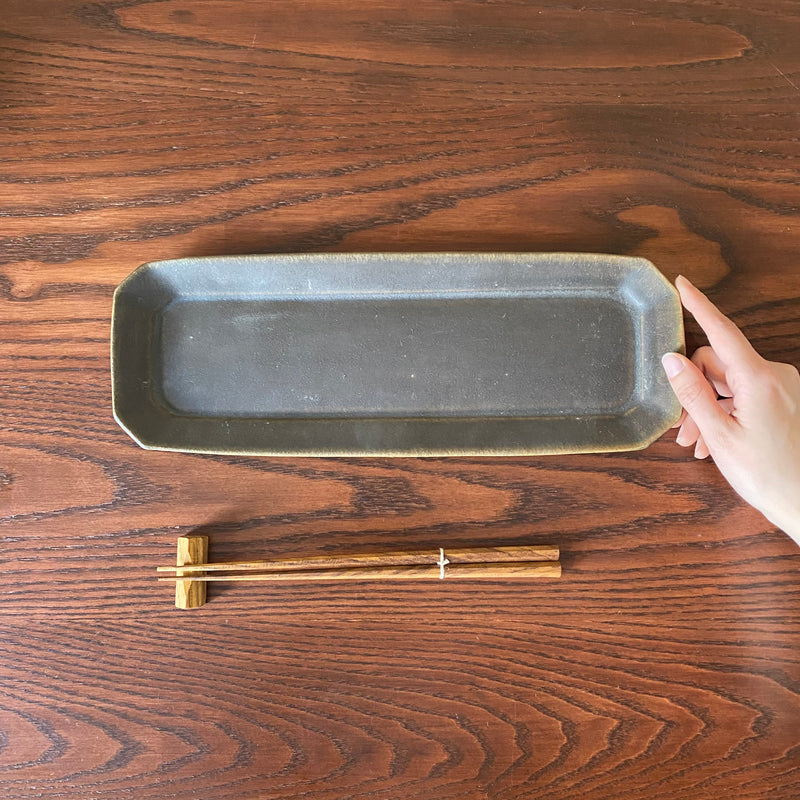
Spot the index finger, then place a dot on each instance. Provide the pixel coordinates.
(729, 343)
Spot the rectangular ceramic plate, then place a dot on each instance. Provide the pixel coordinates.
(395, 354)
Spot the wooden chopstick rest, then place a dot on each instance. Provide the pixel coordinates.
(191, 550)
(522, 562)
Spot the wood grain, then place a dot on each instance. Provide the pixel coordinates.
(664, 664)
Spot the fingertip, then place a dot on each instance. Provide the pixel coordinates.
(701, 449)
(681, 420)
(690, 295)
(673, 363)
(726, 339)
(696, 395)
(683, 285)
(689, 433)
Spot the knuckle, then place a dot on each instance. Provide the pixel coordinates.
(723, 436)
(689, 394)
(779, 388)
(791, 372)
(701, 354)
(771, 382)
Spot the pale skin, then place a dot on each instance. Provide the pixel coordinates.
(742, 410)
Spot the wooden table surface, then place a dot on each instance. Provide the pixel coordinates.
(665, 663)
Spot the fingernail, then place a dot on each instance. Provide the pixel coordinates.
(672, 364)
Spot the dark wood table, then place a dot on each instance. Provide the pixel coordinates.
(665, 663)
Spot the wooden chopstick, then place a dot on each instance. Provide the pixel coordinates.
(431, 556)
(474, 571)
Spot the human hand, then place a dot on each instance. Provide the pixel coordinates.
(753, 431)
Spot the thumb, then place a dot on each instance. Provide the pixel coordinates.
(696, 395)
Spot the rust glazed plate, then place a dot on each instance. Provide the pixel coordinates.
(395, 354)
